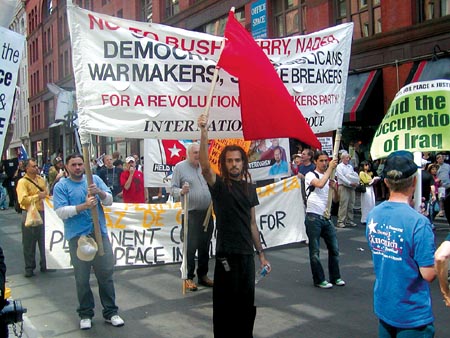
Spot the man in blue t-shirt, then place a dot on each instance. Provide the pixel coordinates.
(403, 255)
(73, 200)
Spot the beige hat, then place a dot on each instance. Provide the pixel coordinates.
(87, 248)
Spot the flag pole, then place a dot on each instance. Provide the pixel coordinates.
(337, 142)
(185, 240)
(215, 77)
(94, 211)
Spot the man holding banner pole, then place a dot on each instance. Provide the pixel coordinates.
(187, 181)
(75, 200)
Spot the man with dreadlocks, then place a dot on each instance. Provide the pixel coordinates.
(234, 199)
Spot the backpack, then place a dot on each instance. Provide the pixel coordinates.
(309, 190)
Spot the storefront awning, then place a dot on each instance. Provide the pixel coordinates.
(431, 70)
(359, 87)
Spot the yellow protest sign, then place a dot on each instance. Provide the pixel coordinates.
(417, 120)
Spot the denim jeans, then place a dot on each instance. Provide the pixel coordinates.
(318, 226)
(103, 268)
(387, 331)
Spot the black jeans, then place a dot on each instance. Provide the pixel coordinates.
(198, 241)
(30, 237)
(234, 311)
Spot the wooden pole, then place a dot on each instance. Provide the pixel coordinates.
(207, 217)
(185, 245)
(337, 142)
(94, 211)
(213, 83)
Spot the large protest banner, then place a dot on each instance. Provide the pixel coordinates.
(149, 234)
(144, 80)
(417, 120)
(11, 47)
(160, 157)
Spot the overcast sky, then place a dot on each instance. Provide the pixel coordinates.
(7, 11)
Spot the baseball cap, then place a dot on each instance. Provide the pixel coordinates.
(129, 159)
(57, 160)
(402, 161)
(87, 248)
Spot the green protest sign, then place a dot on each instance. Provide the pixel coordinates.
(417, 120)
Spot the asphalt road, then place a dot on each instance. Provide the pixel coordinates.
(152, 304)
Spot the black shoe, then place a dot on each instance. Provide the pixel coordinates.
(44, 270)
(29, 274)
(205, 281)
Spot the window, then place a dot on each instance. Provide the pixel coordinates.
(147, 10)
(49, 37)
(365, 14)
(287, 16)
(172, 7)
(66, 63)
(48, 8)
(432, 9)
(120, 13)
(217, 27)
(341, 7)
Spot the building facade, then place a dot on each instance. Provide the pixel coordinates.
(394, 43)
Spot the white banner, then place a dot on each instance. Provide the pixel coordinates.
(11, 45)
(160, 157)
(141, 80)
(149, 234)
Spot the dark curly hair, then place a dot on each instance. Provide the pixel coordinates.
(223, 168)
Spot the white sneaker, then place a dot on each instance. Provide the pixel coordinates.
(115, 321)
(85, 324)
(339, 282)
(324, 285)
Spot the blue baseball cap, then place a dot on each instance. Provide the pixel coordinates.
(402, 161)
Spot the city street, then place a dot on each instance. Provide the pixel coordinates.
(152, 304)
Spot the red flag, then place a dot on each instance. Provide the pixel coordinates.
(267, 108)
